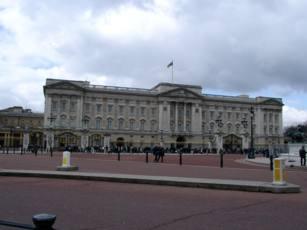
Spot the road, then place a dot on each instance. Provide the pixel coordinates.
(81, 205)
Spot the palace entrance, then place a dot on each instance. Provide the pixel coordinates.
(180, 142)
(232, 143)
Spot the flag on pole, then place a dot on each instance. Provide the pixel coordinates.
(170, 64)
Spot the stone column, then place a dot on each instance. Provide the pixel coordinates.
(107, 143)
(84, 140)
(26, 139)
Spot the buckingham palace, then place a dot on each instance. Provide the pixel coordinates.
(80, 114)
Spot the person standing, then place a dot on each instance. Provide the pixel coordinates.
(303, 156)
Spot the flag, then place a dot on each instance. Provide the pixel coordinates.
(170, 64)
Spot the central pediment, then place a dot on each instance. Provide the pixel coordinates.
(63, 85)
(181, 93)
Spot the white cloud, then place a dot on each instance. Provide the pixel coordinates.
(243, 46)
(293, 116)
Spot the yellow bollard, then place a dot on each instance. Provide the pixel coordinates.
(66, 159)
(279, 171)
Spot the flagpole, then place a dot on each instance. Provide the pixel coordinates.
(173, 72)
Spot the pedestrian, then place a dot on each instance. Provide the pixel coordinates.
(160, 154)
(155, 152)
(303, 156)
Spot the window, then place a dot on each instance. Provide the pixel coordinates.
(237, 116)
(110, 123)
(276, 119)
(229, 115)
(73, 106)
(87, 107)
(203, 126)
(142, 125)
(142, 111)
(265, 130)
(188, 127)
(211, 115)
(229, 128)
(54, 106)
(131, 124)
(98, 108)
(110, 108)
(172, 125)
(276, 130)
(98, 123)
(153, 125)
(153, 112)
(237, 128)
(203, 113)
(121, 110)
(63, 106)
(187, 112)
(265, 117)
(121, 124)
(132, 108)
(180, 126)
(270, 117)
(63, 120)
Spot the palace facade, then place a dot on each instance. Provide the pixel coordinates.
(173, 115)
(21, 127)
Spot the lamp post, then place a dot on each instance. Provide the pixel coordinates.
(220, 124)
(50, 138)
(252, 113)
(161, 137)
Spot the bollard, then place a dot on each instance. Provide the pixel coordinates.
(20, 151)
(118, 155)
(279, 171)
(146, 156)
(180, 158)
(51, 152)
(221, 160)
(43, 221)
(66, 163)
(66, 159)
(271, 162)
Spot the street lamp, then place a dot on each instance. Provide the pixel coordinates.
(50, 138)
(220, 124)
(161, 137)
(252, 112)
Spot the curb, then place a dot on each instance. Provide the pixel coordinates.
(238, 185)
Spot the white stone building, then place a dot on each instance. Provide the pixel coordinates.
(174, 115)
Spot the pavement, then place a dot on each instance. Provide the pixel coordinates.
(131, 170)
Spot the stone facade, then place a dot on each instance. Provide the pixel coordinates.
(20, 128)
(173, 115)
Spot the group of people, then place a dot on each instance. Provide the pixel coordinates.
(158, 152)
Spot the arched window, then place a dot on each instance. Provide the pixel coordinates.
(132, 124)
(188, 126)
(110, 123)
(229, 128)
(63, 120)
(142, 124)
(98, 123)
(121, 123)
(237, 128)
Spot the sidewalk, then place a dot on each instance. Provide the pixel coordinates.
(133, 170)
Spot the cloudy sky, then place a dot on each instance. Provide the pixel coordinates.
(254, 47)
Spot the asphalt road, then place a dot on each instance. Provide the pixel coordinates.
(101, 205)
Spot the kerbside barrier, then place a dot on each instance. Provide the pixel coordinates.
(66, 163)
(279, 174)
